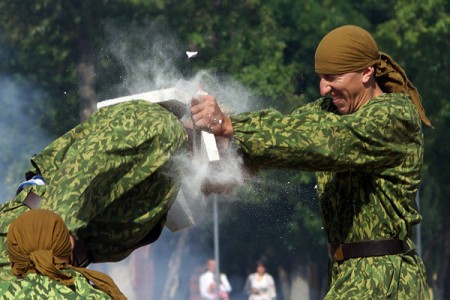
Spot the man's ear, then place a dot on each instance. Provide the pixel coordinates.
(367, 74)
(72, 246)
(11, 264)
(72, 242)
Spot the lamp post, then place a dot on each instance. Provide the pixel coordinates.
(216, 242)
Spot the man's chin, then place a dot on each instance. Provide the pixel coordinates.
(343, 110)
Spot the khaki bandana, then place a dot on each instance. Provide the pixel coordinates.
(37, 240)
(350, 48)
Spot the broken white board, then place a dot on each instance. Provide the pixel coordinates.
(178, 102)
(180, 214)
(172, 99)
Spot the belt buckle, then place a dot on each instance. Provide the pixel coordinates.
(335, 252)
(339, 253)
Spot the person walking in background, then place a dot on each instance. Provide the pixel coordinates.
(40, 252)
(260, 285)
(208, 286)
(363, 138)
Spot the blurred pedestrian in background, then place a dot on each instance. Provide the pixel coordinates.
(208, 286)
(260, 285)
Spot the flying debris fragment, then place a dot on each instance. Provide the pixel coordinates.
(191, 54)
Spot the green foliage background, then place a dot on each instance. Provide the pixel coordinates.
(267, 46)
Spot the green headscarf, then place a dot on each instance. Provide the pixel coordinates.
(350, 48)
(38, 240)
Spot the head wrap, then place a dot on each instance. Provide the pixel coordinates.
(350, 48)
(38, 241)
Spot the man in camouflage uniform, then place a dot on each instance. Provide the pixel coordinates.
(111, 179)
(39, 248)
(364, 139)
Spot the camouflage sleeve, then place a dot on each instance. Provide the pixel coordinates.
(111, 178)
(318, 105)
(109, 171)
(315, 139)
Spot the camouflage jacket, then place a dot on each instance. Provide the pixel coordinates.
(37, 287)
(111, 179)
(368, 163)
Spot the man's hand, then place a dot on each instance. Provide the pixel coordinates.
(212, 288)
(207, 116)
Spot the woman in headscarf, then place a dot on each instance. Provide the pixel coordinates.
(364, 140)
(40, 252)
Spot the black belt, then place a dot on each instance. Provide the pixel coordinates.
(81, 254)
(341, 252)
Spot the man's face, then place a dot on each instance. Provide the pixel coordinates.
(347, 90)
(211, 265)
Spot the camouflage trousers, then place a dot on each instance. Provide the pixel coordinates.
(385, 277)
(111, 178)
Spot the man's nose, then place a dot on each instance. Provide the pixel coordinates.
(324, 87)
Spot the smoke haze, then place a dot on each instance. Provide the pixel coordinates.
(149, 59)
(152, 59)
(20, 132)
